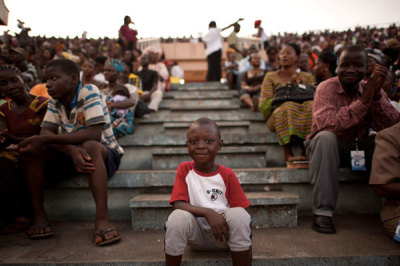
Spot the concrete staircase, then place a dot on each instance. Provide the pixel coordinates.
(141, 188)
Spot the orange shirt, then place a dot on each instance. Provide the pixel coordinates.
(40, 90)
(310, 61)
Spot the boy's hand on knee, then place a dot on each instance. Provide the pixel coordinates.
(82, 160)
(218, 226)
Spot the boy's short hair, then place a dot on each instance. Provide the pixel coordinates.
(66, 65)
(206, 121)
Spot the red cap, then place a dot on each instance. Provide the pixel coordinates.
(257, 23)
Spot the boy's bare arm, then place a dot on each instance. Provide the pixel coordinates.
(34, 144)
(215, 220)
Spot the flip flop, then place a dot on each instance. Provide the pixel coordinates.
(40, 235)
(102, 233)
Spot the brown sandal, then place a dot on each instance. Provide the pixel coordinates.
(102, 233)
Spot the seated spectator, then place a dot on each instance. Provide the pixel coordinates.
(127, 79)
(375, 56)
(85, 144)
(325, 67)
(18, 57)
(231, 69)
(251, 83)
(303, 64)
(155, 64)
(20, 117)
(121, 118)
(29, 80)
(385, 176)
(272, 63)
(128, 59)
(149, 79)
(244, 64)
(344, 109)
(100, 62)
(121, 125)
(177, 71)
(200, 219)
(312, 57)
(291, 119)
(87, 72)
(391, 90)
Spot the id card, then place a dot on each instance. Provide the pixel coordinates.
(358, 160)
(397, 233)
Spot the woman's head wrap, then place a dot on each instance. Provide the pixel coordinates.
(117, 65)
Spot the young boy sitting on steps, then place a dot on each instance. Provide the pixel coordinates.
(86, 144)
(209, 202)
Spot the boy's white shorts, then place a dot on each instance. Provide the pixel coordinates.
(182, 228)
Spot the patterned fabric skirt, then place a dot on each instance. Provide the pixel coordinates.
(122, 125)
(291, 118)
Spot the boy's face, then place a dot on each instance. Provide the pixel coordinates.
(203, 142)
(59, 84)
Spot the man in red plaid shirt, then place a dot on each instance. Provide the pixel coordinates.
(344, 109)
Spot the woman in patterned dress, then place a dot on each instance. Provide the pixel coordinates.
(290, 118)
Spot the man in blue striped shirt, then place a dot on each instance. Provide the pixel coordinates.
(76, 132)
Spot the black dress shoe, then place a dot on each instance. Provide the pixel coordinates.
(323, 224)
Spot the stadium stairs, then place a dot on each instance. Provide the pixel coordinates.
(140, 190)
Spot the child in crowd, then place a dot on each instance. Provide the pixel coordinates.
(231, 67)
(121, 119)
(209, 202)
(84, 144)
(20, 117)
(118, 99)
(251, 83)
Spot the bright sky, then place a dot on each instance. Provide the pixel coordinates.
(178, 18)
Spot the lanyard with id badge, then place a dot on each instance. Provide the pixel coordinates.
(357, 159)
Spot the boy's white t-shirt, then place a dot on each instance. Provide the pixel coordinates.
(219, 191)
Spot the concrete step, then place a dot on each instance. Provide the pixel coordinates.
(200, 105)
(163, 116)
(232, 127)
(200, 95)
(205, 105)
(243, 156)
(228, 124)
(180, 139)
(202, 86)
(139, 149)
(268, 209)
(359, 240)
(72, 199)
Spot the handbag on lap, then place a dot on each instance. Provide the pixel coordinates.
(292, 92)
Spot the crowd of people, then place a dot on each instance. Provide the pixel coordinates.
(329, 92)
